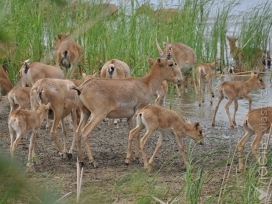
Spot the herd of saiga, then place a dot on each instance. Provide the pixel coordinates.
(121, 97)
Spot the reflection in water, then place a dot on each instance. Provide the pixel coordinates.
(187, 104)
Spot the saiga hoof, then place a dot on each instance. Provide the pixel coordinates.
(95, 165)
(148, 168)
(127, 161)
(69, 156)
(62, 156)
(137, 160)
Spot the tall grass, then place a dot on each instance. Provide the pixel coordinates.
(127, 35)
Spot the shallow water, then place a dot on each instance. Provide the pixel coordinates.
(187, 104)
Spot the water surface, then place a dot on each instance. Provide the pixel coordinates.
(187, 104)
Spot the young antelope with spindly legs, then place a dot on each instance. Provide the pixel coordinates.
(236, 90)
(204, 76)
(153, 117)
(258, 122)
(22, 121)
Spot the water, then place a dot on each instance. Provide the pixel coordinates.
(187, 104)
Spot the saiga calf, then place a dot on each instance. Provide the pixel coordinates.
(258, 122)
(236, 90)
(204, 76)
(153, 117)
(19, 98)
(20, 122)
(161, 94)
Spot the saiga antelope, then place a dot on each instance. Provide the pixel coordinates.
(235, 52)
(69, 54)
(30, 72)
(182, 54)
(165, 15)
(153, 117)
(204, 76)
(238, 55)
(161, 94)
(115, 69)
(236, 90)
(19, 98)
(119, 98)
(22, 121)
(5, 83)
(258, 122)
(64, 102)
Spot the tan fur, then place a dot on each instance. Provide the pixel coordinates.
(258, 122)
(63, 102)
(5, 83)
(238, 56)
(204, 72)
(183, 55)
(235, 90)
(31, 72)
(115, 69)
(163, 15)
(97, 7)
(69, 54)
(161, 94)
(153, 117)
(22, 121)
(7, 50)
(119, 98)
(19, 98)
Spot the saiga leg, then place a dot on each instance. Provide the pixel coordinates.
(157, 148)
(220, 98)
(95, 120)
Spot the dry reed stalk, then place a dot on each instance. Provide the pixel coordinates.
(79, 180)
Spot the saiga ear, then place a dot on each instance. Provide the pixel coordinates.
(159, 61)
(197, 125)
(84, 75)
(150, 61)
(255, 73)
(48, 106)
